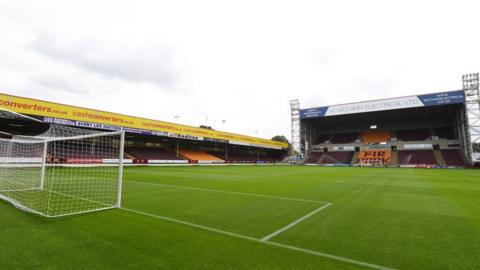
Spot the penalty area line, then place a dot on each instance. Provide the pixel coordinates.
(253, 239)
(227, 192)
(295, 223)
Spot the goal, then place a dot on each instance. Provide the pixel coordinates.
(63, 171)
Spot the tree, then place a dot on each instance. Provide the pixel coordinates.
(280, 138)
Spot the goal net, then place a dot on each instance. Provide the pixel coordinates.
(63, 171)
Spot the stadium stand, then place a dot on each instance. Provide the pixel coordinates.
(314, 157)
(276, 156)
(375, 137)
(268, 159)
(427, 130)
(413, 135)
(375, 157)
(344, 138)
(198, 156)
(128, 156)
(411, 157)
(452, 157)
(322, 138)
(242, 158)
(336, 158)
(142, 153)
(444, 133)
(236, 157)
(69, 154)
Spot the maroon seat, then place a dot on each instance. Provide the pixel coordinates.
(426, 157)
(314, 157)
(337, 158)
(152, 153)
(452, 157)
(236, 158)
(248, 157)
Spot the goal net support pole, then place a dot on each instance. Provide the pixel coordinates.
(44, 164)
(120, 170)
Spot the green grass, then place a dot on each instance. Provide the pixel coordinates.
(397, 218)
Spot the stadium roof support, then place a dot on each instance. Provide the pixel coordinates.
(295, 113)
(472, 117)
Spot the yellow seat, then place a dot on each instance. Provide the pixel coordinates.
(198, 155)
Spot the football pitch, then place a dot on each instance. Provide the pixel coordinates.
(262, 217)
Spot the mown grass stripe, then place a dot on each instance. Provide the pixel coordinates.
(249, 238)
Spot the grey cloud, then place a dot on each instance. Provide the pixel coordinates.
(156, 65)
(325, 57)
(60, 84)
(380, 87)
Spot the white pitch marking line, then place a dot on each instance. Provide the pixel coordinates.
(230, 192)
(307, 251)
(293, 224)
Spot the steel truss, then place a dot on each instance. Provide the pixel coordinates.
(471, 117)
(295, 114)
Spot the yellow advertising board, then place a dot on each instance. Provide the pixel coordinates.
(55, 110)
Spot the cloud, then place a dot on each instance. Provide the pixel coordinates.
(141, 63)
(239, 62)
(60, 83)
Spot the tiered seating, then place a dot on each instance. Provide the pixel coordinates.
(406, 157)
(75, 153)
(376, 137)
(242, 158)
(151, 153)
(413, 135)
(127, 155)
(30, 152)
(275, 157)
(330, 157)
(452, 157)
(344, 138)
(236, 158)
(314, 157)
(337, 158)
(445, 133)
(375, 157)
(200, 156)
(269, 159)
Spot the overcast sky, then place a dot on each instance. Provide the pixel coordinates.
(239, 61)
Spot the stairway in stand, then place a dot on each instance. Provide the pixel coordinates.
(354, 158)
(394, 158)
(439, 158)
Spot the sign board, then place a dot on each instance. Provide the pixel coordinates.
(78, 116)
(445, 98)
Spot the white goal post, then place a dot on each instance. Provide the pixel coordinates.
(63, 171)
